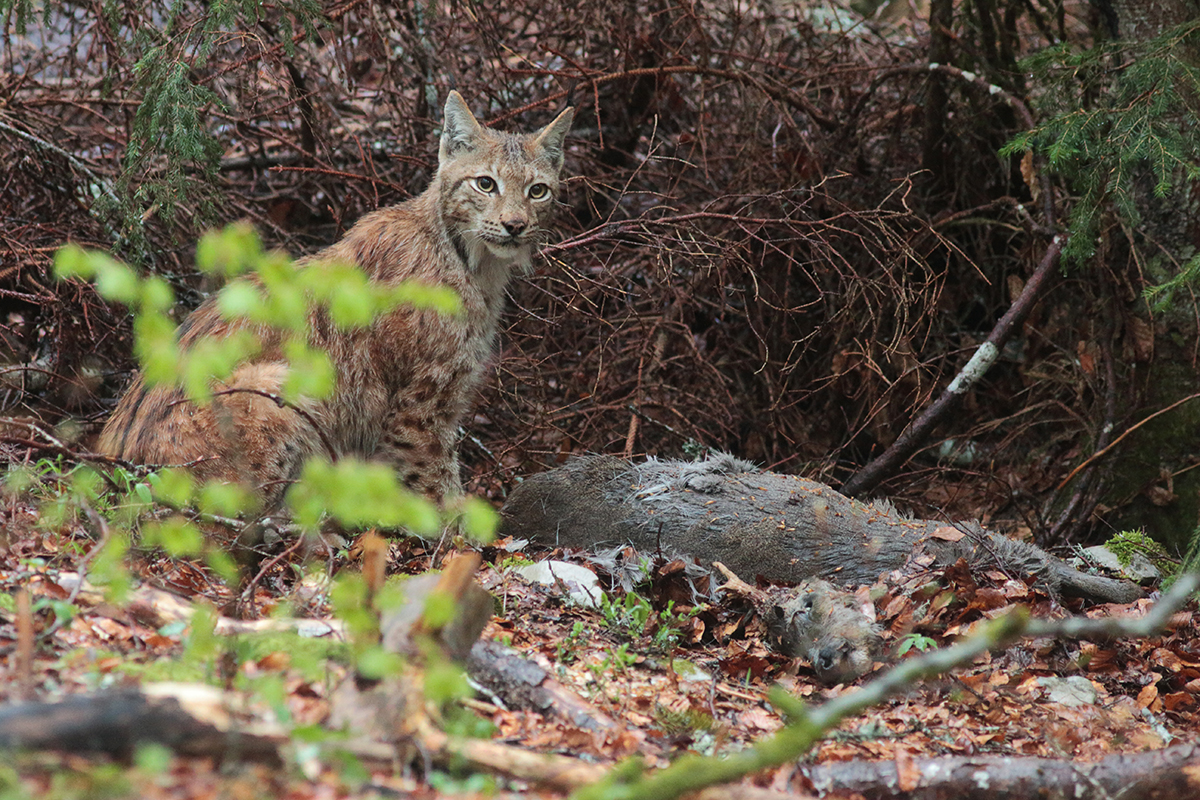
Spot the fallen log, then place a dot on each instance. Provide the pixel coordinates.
(520, 683)
(191, 719)
(782, 527)
(1169, 773)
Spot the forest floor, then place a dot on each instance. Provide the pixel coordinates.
(693, 680)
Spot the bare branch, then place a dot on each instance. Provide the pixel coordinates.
(918, 431)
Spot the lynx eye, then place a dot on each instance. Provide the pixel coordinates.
(538, 191)
(485, 184)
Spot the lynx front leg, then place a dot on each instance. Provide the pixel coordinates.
(264, 441)
(425, 459)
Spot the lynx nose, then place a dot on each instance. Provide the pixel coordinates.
(513, 226)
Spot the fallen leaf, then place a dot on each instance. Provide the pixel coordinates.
(908, 774)
(1141, 335)
(1178, 701)
(947, 534)
(275, 662)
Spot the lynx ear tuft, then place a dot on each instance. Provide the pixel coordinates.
(552, 137)
(460, 129)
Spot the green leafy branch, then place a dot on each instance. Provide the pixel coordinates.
(805, 726)
(172, 154)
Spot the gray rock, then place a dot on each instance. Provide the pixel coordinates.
(1139, 568)
(1073, 691)
(582, 587)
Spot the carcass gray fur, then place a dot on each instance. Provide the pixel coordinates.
(782, 527)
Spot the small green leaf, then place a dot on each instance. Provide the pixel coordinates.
(375, 662)
(86, 483)
(73, 261)
(172, 486)
(413, 512)
(442, 299)
(230, 251)
(213, 360)
(224, 499)
(153, 758)
(115, 281)
(276, 270)
(222, 563)
(439, 610)
(287, 307)
(445, 681)
(352, 307)
(108, 569)
(157, 295)
(179, 537)
(201, 644)
(18, 480)
(479, 519)
(310, 372)
(155, 347)
(241, 300)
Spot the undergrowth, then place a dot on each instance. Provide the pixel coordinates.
(138, 510)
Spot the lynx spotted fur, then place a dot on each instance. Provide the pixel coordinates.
(403, 384)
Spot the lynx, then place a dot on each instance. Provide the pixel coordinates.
(403, 384)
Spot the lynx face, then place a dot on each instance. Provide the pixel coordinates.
(498, 190)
